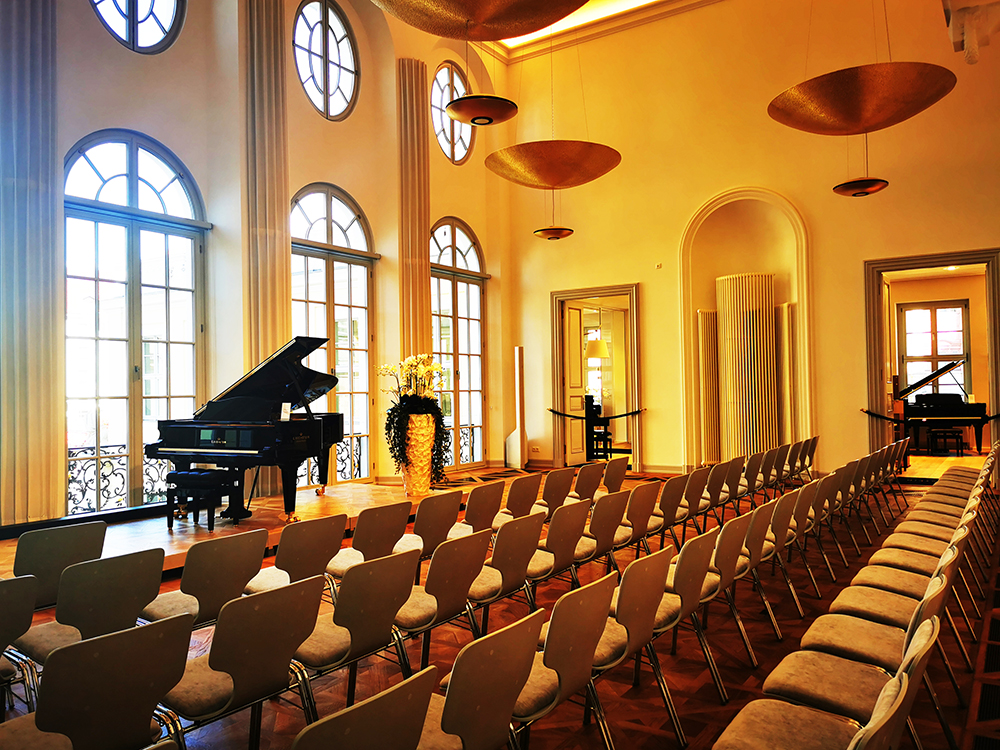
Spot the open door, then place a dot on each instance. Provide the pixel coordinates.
(575, 385)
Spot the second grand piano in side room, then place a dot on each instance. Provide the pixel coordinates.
(242, 427)
(941, 410)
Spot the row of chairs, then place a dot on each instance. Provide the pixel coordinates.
(861, 664)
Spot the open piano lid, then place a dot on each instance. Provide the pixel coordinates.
(279, 379)
(930, 378)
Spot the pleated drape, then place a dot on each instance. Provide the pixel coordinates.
(268, 302)
(32, 369)
(414, 208)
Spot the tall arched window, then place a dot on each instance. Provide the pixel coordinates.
(454, 137)
(326, 58)
(147, 26)
(134, 240)
(331, 296)
(457, 304)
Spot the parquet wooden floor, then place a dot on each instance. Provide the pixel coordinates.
(636, 714)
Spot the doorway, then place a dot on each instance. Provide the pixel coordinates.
(607, 372)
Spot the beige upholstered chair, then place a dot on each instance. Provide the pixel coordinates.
(598, 538)
(629, 631)
(712, 495)
(564, 667)
(694, 498)
(556, 489)
(776, 479)
(732, 491)
(522, 499)
(46, 553)
(391, 720)
(480, 510)
(729, 564)
(776, 725)
(801, 524)
(17, 602)
(669, 510)
(100, 693)
(96, 597)
(436, 514)
(250, 659)
(303, 552)
(371, 595)
(752, 480)
(635, 526)
(555, 554)
(588, 479)
(215, 572)
(824, 510)
(482, 689)
(753, 555)
(505, 573)
(376, 533)
(774, 543)
(767, 464)
(455, 564)
(614, 476)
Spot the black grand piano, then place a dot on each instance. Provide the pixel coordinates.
(242, 427)
(941, 410)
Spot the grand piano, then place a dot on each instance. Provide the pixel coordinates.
(940, 410)
(250, 424)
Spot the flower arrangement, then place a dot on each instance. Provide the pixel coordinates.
(416, 378)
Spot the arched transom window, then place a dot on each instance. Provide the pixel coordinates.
(146, 26)
(457, 304)
(331, 294)
(454, 137)
(326, 58)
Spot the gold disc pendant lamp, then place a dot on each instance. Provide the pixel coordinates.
(553, 232)
(553, 164)
(481, 109)
(479, 20)
(864, 186)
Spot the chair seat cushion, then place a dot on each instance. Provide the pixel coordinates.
(709, 587)
(668, 611)
(905, 560)
(41, 640)
(960, 500)
(778, 725)
(22, 733)
(487, 586)
(539, 692)
(418, 611)
(501, 518)
(267, 579)
(929, 530)
(459, 530)
(898, 581)
(343, 561)
(916, 543)
(877, 605)
(540, 564)
(612, 646)
(202, 691)
(585, 549)
(623, 535)
(655, 523)
(945, 509)
(432, 737)
(327, 646)
(827, 682)
(169, 604)
(940, 519)
(857, 640)
(408, 542)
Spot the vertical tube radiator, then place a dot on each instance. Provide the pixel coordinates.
(784, 322)
(748, 381)
(708, 381)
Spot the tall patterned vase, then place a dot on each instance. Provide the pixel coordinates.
(419, 447)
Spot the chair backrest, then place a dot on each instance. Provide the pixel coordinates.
(918, 653)
(485, 682)
(751, 472)
(523, 494)
(639, 596)
(671, 495)
(483, 505)
(641, 502)
(46, 553)
(800, 513)
(930, 606)
(860, 472)
(370, 595)
(733, 476)
(825, 499)
(17, 603)
(883, 730)
(778, 472)
(101, 692)
(257, 635)
(792, 459)
(454, 566)
(588, 479)
(565, 531)
(380, 527)
(691, 568)
(102, 596)
(436, 514)
(728, 548)
(767, 465)
(217, 570)
(575, 629)
(716, 481)
(307, 546)
(811, 450)
(556, 487)
(390, 720)
(757, 532)
(516, 542)
(780, 521)
(614, 473)
(846, 474)
(605, 518)
(695, 486)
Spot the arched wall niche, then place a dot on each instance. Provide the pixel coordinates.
(745, 230)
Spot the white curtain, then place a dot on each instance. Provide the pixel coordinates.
(32, 390)
(414, 208)
(268, 306)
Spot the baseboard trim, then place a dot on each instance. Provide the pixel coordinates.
(536, 464)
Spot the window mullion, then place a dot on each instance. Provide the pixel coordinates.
(135, 375)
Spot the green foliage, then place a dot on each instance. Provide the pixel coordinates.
(397, 423)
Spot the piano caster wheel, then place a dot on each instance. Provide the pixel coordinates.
(290, 517)
(181, 512)
(321, 490)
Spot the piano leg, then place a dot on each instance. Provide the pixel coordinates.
(289, 479)
(235, 509)
(978, 427)
(323, 465)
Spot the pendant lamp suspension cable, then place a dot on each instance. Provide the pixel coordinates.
(888, 42)
(583, 89)
(809, 28)
(552, 91)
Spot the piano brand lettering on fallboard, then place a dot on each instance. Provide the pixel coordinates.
(251, 424)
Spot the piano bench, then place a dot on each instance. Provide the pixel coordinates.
(945, 434)
(198, 487)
